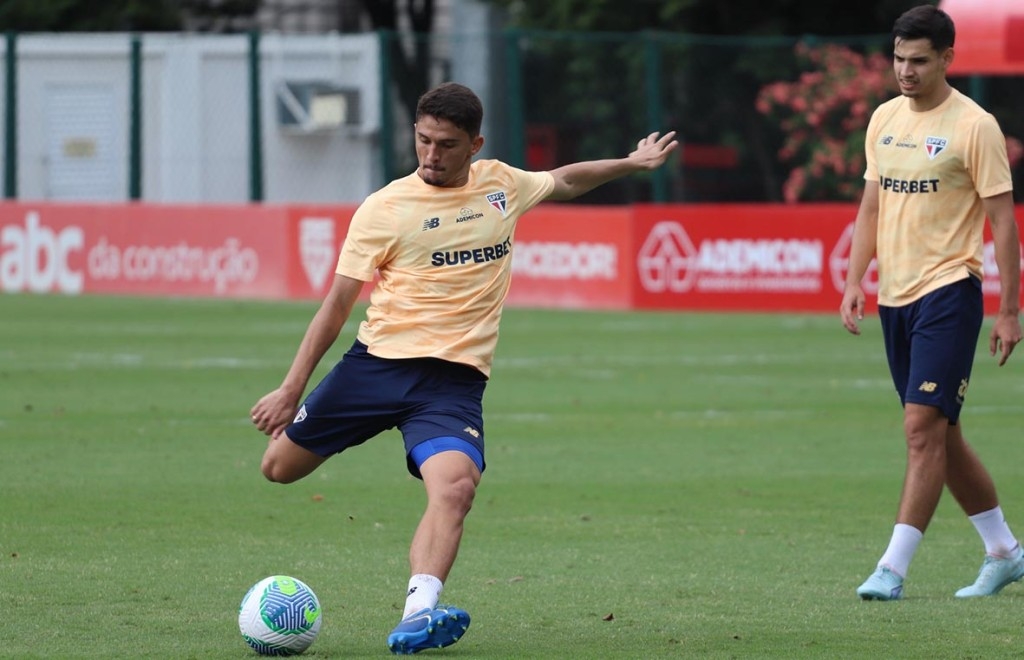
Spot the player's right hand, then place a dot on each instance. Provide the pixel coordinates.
(852, 308)
(273, 412)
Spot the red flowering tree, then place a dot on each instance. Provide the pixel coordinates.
(824, 115)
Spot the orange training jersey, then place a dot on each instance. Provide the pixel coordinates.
(933, 169)
(444, 259)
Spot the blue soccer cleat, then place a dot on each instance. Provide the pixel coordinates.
(882, 585)
(428, 629)
(996, 573)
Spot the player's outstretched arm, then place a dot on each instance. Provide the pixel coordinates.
(275, 410)
(573, 180)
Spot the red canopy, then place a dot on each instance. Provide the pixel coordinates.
(989, 36)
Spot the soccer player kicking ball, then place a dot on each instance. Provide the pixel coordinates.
(441, 240)
(936, 167)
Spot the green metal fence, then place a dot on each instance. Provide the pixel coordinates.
(757, 118)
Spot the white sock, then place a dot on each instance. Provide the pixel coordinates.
(902, 547)
(999, 540)
(424, 590)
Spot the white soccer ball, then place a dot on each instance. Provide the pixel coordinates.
(279, 615)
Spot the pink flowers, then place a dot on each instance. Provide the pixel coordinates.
(824, 114)
(1014, 150)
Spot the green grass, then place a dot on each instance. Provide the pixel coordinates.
(658, 485)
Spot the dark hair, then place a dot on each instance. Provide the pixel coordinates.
(926, 22)
(455, 103)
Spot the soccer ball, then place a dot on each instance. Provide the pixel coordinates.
(279, 615)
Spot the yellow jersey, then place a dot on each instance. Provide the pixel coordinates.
(444, 259)
(933, 169)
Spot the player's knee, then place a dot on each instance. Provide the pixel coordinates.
(924, 428)
(274, 471)
(453, 494)
(459, 493)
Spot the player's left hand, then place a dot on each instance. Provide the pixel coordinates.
(273, 412)
(652, 151)
(1005, 335)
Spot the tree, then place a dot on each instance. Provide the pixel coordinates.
(824, 114)
(89, 16)
(793, 18)
(410, 56)
(716, 56)
(219, 15)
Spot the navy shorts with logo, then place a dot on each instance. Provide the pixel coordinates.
(931, 344)
(364, 395)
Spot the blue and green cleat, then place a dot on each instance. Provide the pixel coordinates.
(882, 585)
(428, 629)
(996, 573)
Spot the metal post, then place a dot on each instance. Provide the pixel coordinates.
(978, 89)
(655, 117)
(11, 117)
(135, 122)
(255, 125)
(387, 142)
(515, 109)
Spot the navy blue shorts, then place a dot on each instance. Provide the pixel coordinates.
(364, 395)
(931, 344)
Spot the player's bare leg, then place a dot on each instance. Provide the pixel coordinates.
(450, 479)
(966, 476)
(975, 492)
(285, 462)
(925, 430)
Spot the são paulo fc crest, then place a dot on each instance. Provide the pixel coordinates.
(934, 146)
(316, 249)
(498, 201)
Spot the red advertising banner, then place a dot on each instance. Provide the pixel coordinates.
(768, 258)
(734, 257)
(573, 257)
(143, 250)
(314, 238)
(221, 251)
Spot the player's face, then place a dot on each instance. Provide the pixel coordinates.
(920, 69)
(444, 152)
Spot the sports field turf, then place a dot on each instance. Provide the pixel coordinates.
(658, 485)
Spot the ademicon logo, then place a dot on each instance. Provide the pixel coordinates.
(669, 261)
(37, 258)
(839, 264)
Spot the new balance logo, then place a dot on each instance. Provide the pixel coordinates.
(927, 386)
(431, 223)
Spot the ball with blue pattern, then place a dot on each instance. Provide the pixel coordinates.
(279, 615)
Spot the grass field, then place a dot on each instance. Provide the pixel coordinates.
(658, 485)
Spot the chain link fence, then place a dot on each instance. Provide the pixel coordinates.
(328, 118)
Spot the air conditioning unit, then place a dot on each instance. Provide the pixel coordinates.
(307, 107)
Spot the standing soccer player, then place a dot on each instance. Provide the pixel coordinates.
(936, 167)
(441, 240)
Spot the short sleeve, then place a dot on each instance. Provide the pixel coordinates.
(870, 144)
(369, 242)
(986, 160)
